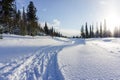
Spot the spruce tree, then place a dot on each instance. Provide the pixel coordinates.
(86, 31)
(1, 12)
(31, 18)
(46, 29)
(90, 35)
(9, 13)
(51, 32)
(24, 23)
(97, 34)
(92, 31)
(1, 30)
(116, 32)
(105, 29)
(82, 32)
(101, 31)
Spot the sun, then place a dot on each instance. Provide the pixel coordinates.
(113, 20)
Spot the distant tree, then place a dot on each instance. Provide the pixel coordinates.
(90, 35)
(86, 31)
(1, 11)
(108, 33)
(105, 29)
(101, 31)
(116, 32)
(1, 30)
(46, 29)
(51, 32)
(82, 32)
(119, 32)
(97, 31)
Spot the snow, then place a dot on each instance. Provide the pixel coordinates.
(90, 61)
(47, 58)
(13, 46)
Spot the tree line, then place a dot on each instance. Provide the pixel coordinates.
(24, 22)
(99, 31)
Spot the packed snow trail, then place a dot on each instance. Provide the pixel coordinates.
(42, 65)
(87, 61)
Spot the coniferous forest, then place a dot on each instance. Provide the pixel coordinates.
(24, 22)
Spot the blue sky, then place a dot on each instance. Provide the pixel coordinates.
(69, 15)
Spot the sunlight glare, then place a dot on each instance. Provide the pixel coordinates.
(112, 20)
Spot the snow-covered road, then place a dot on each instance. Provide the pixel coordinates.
(60, 59)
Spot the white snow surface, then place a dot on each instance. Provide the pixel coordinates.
(46, 58)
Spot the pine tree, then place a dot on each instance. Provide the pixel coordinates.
(82, 32)
(97, 31)
(119, 32)
(1, 12)
(24, 23)
(105, 29)
(46, 29)
(1, 30)
(51, 32)
(90, 35)
(116, 32)
(18, 17)
(86, 31)
(9, 13)
(92, 31)
(16, 21)
(31, 18)
(101, 32)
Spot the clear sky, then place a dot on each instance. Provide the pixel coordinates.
(68, 15)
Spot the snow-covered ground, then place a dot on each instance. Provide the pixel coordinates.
(46, 58)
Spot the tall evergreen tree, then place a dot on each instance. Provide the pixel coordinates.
(90, 35)
(97, 31)
(92, 31)
(31, 18)
(86, 30)
(8, 15)
(18, 17)
(116, 32)
(119, 31)
(82, 32)
(1, 11)
(105, 29)
(101, 31)
(24, 23)
(52, 32)
(46, 29)
(1, 14)
(1, 30)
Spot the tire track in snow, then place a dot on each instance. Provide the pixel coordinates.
(42, 65)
